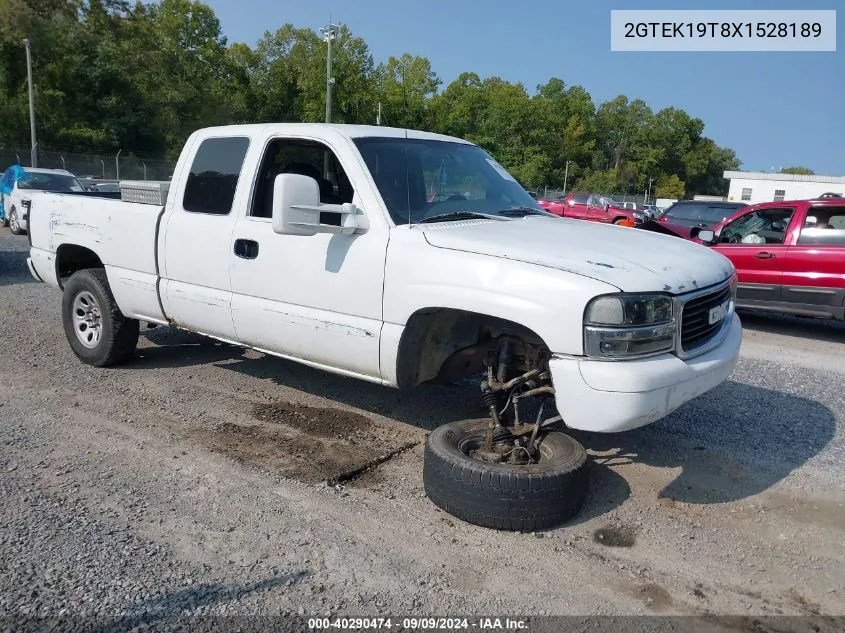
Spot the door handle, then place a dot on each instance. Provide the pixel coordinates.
(764, 255)
(246, 249)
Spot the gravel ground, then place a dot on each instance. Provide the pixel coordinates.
(192, 482)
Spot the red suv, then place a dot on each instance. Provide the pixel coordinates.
(789, 256)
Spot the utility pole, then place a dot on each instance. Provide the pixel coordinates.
(565, 175)
(103, 163)
(648, 191)
(33, 145)
(329, 32)
(378, 116)
(117, 165)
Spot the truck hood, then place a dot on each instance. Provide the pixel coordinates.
(627, 258)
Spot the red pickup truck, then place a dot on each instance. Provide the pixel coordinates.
(789, 256)
(593, 207)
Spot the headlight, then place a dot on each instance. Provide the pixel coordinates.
(625, 326)
(622, 310)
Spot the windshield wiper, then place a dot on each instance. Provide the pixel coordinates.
(459, 215)
(521, 212)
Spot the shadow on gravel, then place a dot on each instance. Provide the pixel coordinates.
(731, 443)
(178, 348)
(787, 325)
(13, 268)
(189, 599)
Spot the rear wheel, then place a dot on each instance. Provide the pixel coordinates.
(97, 331)
(540, 494)
(14, 224)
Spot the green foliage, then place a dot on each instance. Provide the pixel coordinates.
(142, 76)
(801, 171)
(670, 187)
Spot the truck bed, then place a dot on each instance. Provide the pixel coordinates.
(66, 225)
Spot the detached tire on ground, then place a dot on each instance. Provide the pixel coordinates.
(97, 331)
(504, 496)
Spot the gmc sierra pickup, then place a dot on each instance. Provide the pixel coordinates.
(403, 258)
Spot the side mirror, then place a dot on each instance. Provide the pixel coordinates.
(707, 236)
(605, 205)
(297, 209)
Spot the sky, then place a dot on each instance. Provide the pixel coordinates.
(775, 109)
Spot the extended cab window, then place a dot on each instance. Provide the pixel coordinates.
(307, 158)
(580, 198)
(766, 226)
(824, 225)
(214, 175)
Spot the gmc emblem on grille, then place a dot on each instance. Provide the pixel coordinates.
(719, 312)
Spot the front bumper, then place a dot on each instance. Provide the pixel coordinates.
(607, 397)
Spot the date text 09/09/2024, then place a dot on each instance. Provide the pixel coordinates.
(722, 29)
(418, 623)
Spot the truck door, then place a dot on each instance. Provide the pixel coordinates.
(755, 243)
(194, 250)
(814, 268)
(313, 298)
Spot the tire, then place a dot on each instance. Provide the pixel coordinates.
(618, 221)
(87, 296)
(14, 225)
(504, 496)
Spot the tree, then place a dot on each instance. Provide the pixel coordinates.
(801, 171)
(604, 182)
(404, 87)
(670, 187)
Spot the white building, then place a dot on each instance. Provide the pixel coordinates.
(755, 186)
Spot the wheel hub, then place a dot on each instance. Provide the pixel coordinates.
(87, 319)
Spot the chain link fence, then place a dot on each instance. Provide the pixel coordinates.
(547, 193)
(125, 166)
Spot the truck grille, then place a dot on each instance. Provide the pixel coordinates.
(696, 329)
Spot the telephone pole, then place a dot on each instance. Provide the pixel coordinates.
(330, 32)
(33, 144)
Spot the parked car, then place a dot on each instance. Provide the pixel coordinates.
(684, 215)
(589, 206)
(317, 243)
(555, 205)
(16, 203)
(105, 187)
(789, 256)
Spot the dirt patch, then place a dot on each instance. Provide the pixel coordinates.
(654, 596)
(317, 421)
(805, 605)
(615, 536)
(309, 444)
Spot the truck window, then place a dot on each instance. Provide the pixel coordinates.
(214, 175)
(307, 158)
(580, 198)
(824, 226)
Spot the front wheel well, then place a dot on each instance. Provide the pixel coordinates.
(444, 344)
(71, 258)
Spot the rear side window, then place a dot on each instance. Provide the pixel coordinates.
(824, 226)
(684, 211)
(580, 198)
(716, 214)
(214, 175)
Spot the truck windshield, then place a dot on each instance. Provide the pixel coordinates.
(419, 179)
(50, 182)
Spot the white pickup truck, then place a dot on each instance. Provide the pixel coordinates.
(403, 258)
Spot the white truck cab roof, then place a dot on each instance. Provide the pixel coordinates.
(321, 129)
